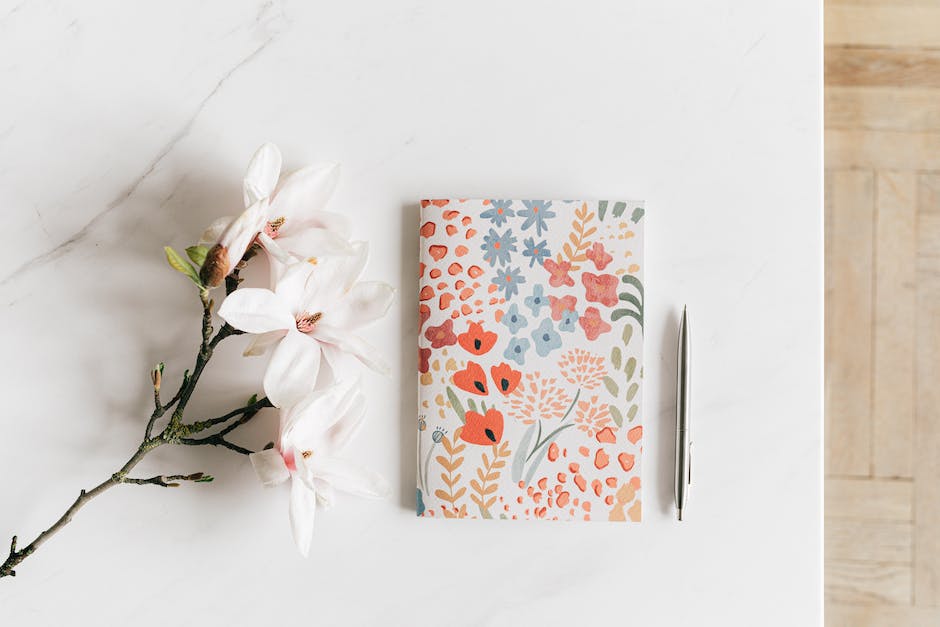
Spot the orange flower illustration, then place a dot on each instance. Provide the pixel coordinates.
(592, 416)
(538, 397)
(483, 428)
(505, 378)
(471, 379)
(476, 340)
(582, 368)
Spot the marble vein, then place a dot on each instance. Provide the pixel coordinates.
(64, 247)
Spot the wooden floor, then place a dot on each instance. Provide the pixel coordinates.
(882, 312)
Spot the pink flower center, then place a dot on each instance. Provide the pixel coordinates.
(291, 462)
(271, 228)
(307, 321)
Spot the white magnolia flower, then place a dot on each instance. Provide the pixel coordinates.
(295, 226)
(312, 433)
(314, 311)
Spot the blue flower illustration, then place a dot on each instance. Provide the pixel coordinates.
(536, 212)
(499, 212)
(537, 300)
(546, 338)
(516, 350)
(537, 252)
(497, 247)
(513, 319)
(508, 281)
(568, 321)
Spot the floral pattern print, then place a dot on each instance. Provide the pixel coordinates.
(530, 359)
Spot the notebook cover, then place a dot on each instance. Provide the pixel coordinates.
(530, 359)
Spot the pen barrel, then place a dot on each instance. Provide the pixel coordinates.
(683, 415)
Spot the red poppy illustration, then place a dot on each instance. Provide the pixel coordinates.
(559, 273)
(471, 379)
(592, 323)
(560, 305)
(476, 340)
(483, 429)
(598, 255)
(505, 378)
(441, 336)
(601, 288)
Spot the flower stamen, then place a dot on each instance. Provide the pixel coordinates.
(307, 321)
(272, 227)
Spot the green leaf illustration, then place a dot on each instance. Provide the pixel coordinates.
(518, 461)
(616, 415)
(627, 334)
(632, 390)
(631, 414)
(619, 208)
(637, 214)
(615, 357)
(455, 405)
(611, 385)
(601, 209)
(630, 368)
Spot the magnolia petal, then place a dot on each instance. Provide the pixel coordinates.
(214, 231)
(332, 277)
(352, 344)
(335, 223)
(365, 302)
(262, 174)
(269, 466)
(326, 495)
(303, 508)
(292, 282)
(305, 191)
(260, 343)
(292, 371)
(314, 242)
(256, 310)
(347, 476)
(305, 423)
(274, 250)
(243, 230)
(343, 431)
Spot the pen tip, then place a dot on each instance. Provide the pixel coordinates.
(680, 513)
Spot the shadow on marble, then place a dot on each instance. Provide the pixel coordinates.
(666, 415)
(407, 288)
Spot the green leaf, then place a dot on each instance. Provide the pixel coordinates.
(637, 214)
(205, 479)
(601, 209)
(629, 279)
(616, 415)
(179, 264)
(630, 298)
(253, 399)
(197, 254)
(617, 314)
(631, 414)
(615, 357)
(630, 368)
(627, 334)
(522, 451)
(483, 406)
(455, 404)
(619, 208)
(632, 390)
(611, 385)
(472, 405)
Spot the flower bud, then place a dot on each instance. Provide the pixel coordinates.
(216, 267)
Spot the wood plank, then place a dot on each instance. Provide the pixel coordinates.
(894, 321)
(868, 540)
(838, 615)
(882, 150)
(927, 382)
(883, 108)
(882, 67)
(869, 499)
(897, 26)
(848, 300)
(867, 582)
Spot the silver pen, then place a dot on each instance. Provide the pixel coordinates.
(683, 415)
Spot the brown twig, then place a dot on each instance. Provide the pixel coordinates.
(175, 432)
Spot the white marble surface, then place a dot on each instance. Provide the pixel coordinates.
(125, 126)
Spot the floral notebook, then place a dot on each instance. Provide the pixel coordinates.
(530, 359)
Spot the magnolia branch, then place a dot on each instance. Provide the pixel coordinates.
(176, 431)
